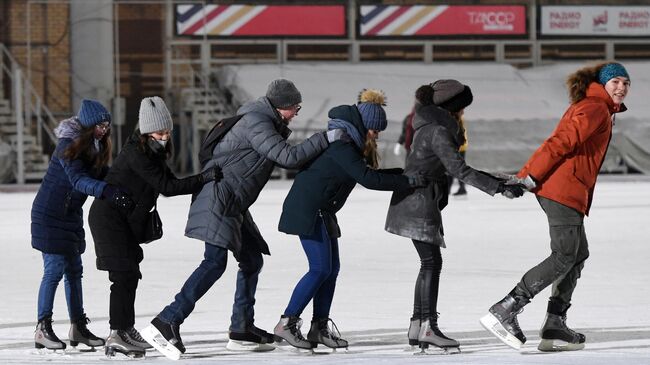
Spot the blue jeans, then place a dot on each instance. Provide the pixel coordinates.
(54, 268)
(320, 281)
(209, 271)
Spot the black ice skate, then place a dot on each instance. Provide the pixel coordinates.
(430, 334)
(119, 342)
(44, 336)
(254, 339)
(79, 333)
(502, 320)
(555, 335)
(164, 337)
(136, 338)
(289, 330)
(321, 332)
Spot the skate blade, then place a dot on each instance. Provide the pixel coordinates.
(492, 324)
(50, 352)
(235, 345)
(118, 355)
(158, 341)
(81, 347)
(559, 345)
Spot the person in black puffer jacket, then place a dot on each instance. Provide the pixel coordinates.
(142, 171)
(417, 214)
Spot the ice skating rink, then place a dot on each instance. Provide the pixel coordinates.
(491, 242)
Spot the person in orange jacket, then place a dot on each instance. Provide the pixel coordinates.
(562, 173)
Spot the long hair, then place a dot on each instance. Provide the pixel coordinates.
(578, 82)
(83, 148)
(461, 126)
(370, 153)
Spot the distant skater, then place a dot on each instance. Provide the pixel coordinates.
(562, 173)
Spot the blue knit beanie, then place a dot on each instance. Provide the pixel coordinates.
(92, 113)
(611, 70)
(373, 116)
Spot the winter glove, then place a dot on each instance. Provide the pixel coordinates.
(510, 191)
(118, 198)
(393, 171)
(334, 135)
(211, 174)
(417, 180)
(528, 182)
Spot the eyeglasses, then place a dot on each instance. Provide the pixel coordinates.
(103, 126)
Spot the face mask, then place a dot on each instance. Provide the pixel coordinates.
(162, 142)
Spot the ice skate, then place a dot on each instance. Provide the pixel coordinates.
(289, 330)
(430, 334)
(555, 335)
(164, 337)
(502, 320)
(119, 342)
(79, 333)
(413, 333)
(45, 338)
(254, 339)
(136, 338)
(321, 332)
(461, 192)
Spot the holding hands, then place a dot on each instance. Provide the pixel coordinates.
(512, 186)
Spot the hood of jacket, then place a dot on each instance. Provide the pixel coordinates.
(262, 106)
(431, 114)
(351, 114)
(68, 128)
(596, 90)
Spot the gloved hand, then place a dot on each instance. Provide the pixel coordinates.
(211, 174)
(334, 135)
(417, 180)
(397, 149)
(118, 197)
(510, 191)
(528, 182)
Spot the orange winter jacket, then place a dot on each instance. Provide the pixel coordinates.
(566, 165)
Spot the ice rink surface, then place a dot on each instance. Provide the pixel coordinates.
(491, 242)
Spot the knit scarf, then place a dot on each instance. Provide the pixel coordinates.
(350, 129)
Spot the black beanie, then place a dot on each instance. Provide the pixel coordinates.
(451, 95)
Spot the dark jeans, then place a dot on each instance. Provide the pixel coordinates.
(425, 303)
(122, 300)
(569, 250)
(55, 267)
(319, 282)
(209, 271)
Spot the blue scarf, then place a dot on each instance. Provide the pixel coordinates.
(350, 129)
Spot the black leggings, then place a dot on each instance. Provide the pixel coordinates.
(425, 303)
(122, 298)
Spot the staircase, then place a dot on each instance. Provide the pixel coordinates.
(36, 117)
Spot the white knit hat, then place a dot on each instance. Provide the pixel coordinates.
(154, 115)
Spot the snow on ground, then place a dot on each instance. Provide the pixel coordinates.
(492, 241)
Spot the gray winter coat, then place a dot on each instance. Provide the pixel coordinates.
(247, 155)
(416, 213)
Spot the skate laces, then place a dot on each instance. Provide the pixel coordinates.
(294, 328)
(331, 330)
(134, 334)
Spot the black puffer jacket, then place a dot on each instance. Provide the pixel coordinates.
(434, 153)
(144, 174)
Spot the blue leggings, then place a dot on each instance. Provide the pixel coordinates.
(320, 281)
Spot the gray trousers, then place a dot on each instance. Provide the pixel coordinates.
(569, 250)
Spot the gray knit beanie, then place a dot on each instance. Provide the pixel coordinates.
(283, 93)
(154, 115)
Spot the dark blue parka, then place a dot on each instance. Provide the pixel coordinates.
(57, 214)
(323, 186)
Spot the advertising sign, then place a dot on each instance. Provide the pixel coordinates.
(595, 20)
(260, 20)
(440, 20)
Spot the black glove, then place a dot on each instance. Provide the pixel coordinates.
(510, 191)
(118, 197)
(393, 171)
(211, 174)
(417, 180)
